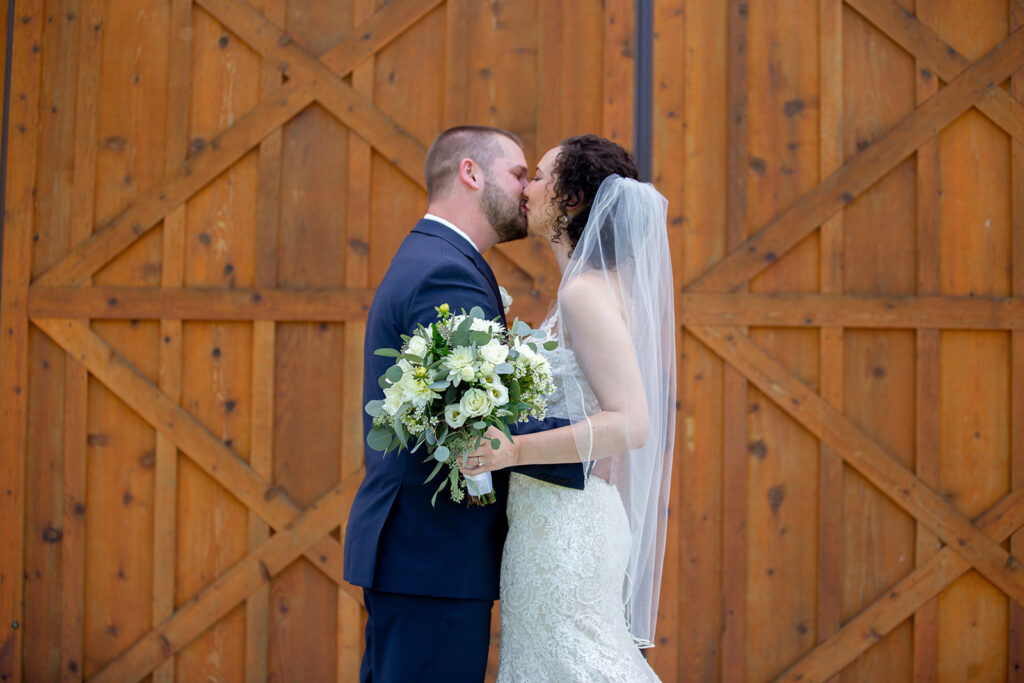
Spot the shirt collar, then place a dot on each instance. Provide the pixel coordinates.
(449, 224)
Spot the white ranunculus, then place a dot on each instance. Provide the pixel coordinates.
(466, 373)
(458, 362)
(494, 352)
(417, 346)
(454, 416)
(486, 368)
(527, 354)
(476, 403)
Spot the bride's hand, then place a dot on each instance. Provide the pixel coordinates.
(486, 458)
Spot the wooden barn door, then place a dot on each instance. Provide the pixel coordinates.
(846, 186)
(201, 197)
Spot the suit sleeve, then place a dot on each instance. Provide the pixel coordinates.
(570, 475)
(451, 282)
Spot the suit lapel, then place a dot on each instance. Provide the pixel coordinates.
(435, 229)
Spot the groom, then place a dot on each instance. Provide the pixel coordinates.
(430, 574)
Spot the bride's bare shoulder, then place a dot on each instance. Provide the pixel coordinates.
(588, 291)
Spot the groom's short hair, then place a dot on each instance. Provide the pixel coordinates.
(479, 143)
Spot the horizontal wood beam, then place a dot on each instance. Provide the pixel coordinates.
(862, 453)
(212, 603)
(190, 436)
(941, 57)
(863, 169)
(342, 305)
(824, 310)
(129, 303)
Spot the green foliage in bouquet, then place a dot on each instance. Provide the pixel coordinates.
(453, 380)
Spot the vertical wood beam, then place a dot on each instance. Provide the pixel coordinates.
(1015, 649)
(926, 390)
(735, 389)
(76, 378)
(832, 354)
(264, 342)
(19, 222)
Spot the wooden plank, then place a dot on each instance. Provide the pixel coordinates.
(353, 110)
(926, 391)
(832, 353)
(735, 652)
(899, 603)
(76, 381)
(619, 70)
(456, 56)
(357, 236)
(165, 503)
(152, 205)
(233, 586)
(205, 449)
(126, 303)
(16, 254)
(1015, 649)
(936, 55)
(863, 169)
(867, 457)
(261, 449)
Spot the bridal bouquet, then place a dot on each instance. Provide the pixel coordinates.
(453, 380)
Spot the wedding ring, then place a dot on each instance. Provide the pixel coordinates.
(479, 461)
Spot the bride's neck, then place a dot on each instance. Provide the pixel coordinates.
(561, 252)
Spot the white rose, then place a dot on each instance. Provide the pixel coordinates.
(417, 346)
(475, 403)
(526, 354)
(506, 299)
(392, 400)
(486, 369)
(494, 352)
(454, 416)
(467, 373)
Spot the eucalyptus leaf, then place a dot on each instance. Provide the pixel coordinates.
(514, 392)
(374, 408)
(439, 386)
(441, 453)
(394, 373)
(495, 444)
(384, 382)
(400, 432)
(476, 312)
(430, 438)
(480, 338)
(412, 358)
(390, 353)
(433, 473)
(460, 338)
(520, 328)
(465, 325)
(550, 345)
(480, 425)
(503, 368)
(433, 499)
(379, 439)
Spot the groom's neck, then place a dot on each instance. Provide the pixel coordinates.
(468, 218)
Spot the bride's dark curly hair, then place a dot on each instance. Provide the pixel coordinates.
(579, 169)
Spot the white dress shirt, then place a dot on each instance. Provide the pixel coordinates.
(451, 225)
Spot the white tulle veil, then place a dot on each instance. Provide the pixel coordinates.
(625, 242)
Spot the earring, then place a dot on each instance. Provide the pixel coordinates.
(563, 219)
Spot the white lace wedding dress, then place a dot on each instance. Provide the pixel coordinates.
(563, 576)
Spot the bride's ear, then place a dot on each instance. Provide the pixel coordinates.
(470, 174)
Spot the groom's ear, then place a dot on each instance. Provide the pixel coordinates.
(470, 174)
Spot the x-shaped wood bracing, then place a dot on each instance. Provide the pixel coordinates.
(967, 545)
(312, 79)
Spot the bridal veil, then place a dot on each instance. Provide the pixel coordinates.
(625, 243)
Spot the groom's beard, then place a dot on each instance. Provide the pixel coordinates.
(503, 213)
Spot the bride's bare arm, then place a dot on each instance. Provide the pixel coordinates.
(601, 343)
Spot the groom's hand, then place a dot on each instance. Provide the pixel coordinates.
(486, 458)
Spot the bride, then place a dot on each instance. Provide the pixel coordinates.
(581, 570)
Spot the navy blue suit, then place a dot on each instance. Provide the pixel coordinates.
(445, 559)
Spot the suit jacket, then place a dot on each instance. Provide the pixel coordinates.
(395, 541)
